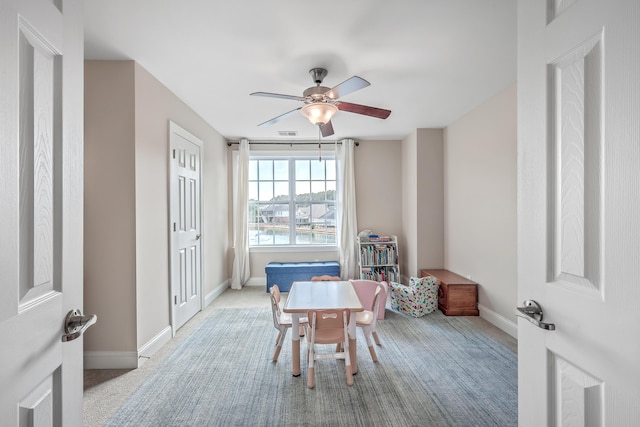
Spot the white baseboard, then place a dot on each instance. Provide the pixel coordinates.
(126, 359)
(146, 351)
(110, 359)
(498, 321)
(133, 359)
(211, 296)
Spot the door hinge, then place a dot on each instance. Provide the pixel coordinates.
(174, 153)
(175, 299)
(174, 226)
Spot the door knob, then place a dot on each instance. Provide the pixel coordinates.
(533, 313)
(75, 324)
(197, 237)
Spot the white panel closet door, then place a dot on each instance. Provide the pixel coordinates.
(186, 227)
(579, 211)
(41, 166)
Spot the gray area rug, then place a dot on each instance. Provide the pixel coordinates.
(432, 371)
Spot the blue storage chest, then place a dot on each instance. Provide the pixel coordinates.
(284, 274)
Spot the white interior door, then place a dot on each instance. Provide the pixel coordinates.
(41, 159)
(579, 211)
(186, 227)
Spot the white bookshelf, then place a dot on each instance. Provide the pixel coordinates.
(378, 258)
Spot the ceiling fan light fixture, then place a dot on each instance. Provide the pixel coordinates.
(319, 113)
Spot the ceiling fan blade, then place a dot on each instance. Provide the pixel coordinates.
(346, 87)
(280, 117)
(277, 95)
(326, 129)
(363, 109)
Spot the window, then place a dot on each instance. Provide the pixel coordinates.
(292, 201)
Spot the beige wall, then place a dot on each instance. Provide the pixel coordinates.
(127, 114)
(378, 180)
(408, 241)
(155, 107)
(430, 200)
(422, 240)
(480, 201)
(109, 206)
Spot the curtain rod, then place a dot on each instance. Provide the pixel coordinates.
(230, 143)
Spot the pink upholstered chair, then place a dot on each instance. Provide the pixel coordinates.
(366, 290)
(325, 278)
(366, 320)
(328, 327)
(281, 321)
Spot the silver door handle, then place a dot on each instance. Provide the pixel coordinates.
(75, 324)
(197, 237)
(533, 313)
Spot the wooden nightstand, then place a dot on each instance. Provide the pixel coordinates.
(457, 296)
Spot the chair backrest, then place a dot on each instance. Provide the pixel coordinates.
(366, 290)
(328, 326)
(274, 294)
(325, 278)
(376, 304)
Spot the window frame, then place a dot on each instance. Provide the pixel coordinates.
(293, 202)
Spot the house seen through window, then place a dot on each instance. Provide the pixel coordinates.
(292, 201)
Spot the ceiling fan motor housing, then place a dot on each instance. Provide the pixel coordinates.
(316, 92)
(318, 75)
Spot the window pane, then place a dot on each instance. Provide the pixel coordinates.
(303, 224)
(253, 191)
(302, 190)
(281, 170)
(302, 215)
(317, 169)
(276, 213)
(281, 190)
(321, 229)
(269, 234)
(277, 217)
(331, 190)
(265, 189)
(253, 170)
(331, 169)
(265, 170)
(302, 170)
(254, 223)
(317, 190)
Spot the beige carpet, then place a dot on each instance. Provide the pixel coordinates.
(107, 390)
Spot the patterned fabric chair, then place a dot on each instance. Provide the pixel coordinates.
(417, 299)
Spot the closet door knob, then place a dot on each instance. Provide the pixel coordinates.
(533, 313)
(75, 324)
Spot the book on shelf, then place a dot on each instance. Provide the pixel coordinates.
(379, 258)
(380, 274)
(375, 238)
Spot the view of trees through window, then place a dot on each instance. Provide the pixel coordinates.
(292, 201)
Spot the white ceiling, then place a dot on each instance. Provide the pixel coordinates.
(429, 61)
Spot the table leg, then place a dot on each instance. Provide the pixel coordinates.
(352, 343)
(295, 346)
